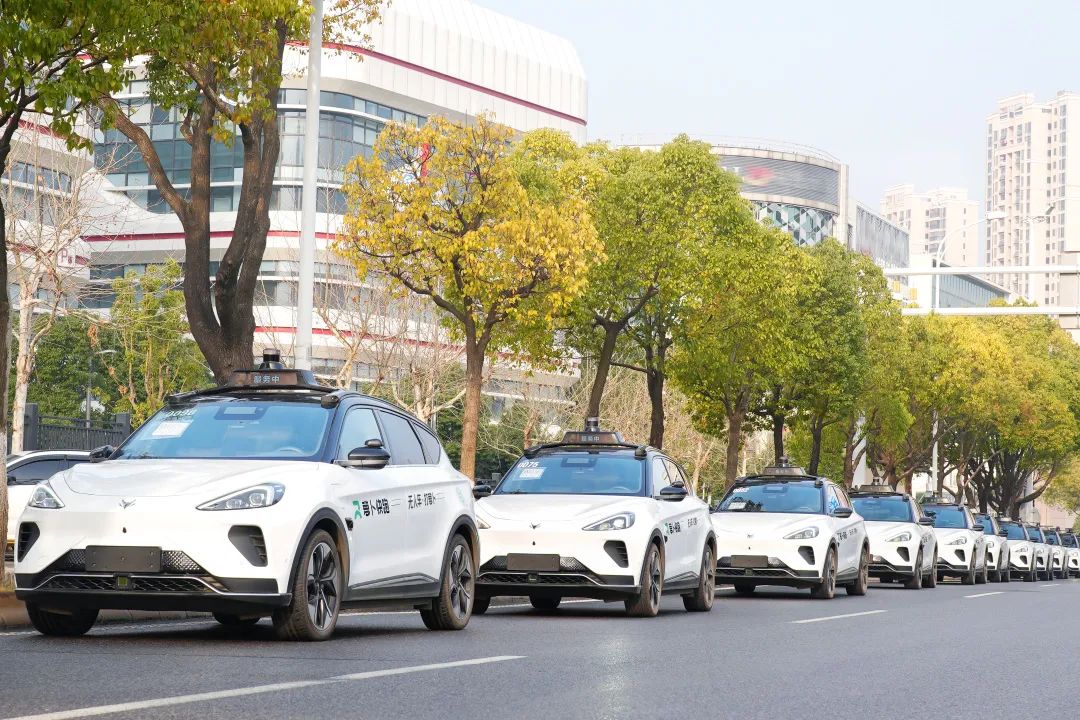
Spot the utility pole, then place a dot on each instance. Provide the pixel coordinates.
(305, 299)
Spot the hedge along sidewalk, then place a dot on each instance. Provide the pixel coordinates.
(13, 614)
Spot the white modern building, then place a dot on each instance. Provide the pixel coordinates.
(933, 217)
(1031, 178)
(449, 58)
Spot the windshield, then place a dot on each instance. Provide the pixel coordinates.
(1068, 540)
(577, 473)
(988, 524)
(781, 497)
(892, 508)
(1035, 534)
(1052, 538)
(1015, 530)
(234, 428)
(947, 516)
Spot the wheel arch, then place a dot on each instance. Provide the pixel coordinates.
(328, 520)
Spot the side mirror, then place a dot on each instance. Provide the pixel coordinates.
(367, 458)
(842, 512)
(373, 443)
(1003, 533)
(673, 493)
(927, 521)
(978, 527)
(481, 490)
(101, 453)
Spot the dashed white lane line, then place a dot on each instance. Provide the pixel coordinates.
(1050, 585)
(838, 617)
(986, 594)
(256, 690)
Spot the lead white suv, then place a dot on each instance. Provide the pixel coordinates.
(961, 542)
(272, 496)
(784, 527)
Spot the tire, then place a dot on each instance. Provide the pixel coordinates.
(862, 580)
(1006, 574)
(453, 606)
(915, 581)
(316, 593)
(701, 600)
(826, 589)
(58, 624)
(983, 576)
(1033, 574)
(745, 588)
(235, 621)
(968, 578)
(480, 605)
(547, 604)
(647, 602)
(931, 579)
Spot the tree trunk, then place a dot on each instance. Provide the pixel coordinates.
(655, 382)
(816, 432)
(23, 367)
(603, 367)
(470, 420)
(734, 443)
(777, 436)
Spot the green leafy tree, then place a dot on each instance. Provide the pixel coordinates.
(452, 213)
(148, 328)
(218, 66)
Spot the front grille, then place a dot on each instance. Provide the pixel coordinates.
(541, 578)
(28, 535)
(167, 585)
(567, 564)
(149, 584)
(757, 572)
(173, 562)
(616, 550)
(84, 582)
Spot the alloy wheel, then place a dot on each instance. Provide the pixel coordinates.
(322, 589)
(461, 581)
(656, 577)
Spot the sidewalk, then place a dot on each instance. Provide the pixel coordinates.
(13, 614)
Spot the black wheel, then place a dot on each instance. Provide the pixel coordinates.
(547, 604)
(862, 580)
(50, 622)
(453, 607)
(745, 588)
(915, 581)
(968, 577)
(235, 621)
(647, 602)
(1006, 574)
(983, 576)
(481, 603)
(826, 589)
(316, 593)
(931, 579)
(701, 600)
(1033, 574)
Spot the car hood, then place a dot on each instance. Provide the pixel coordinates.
(885, 530)
(946, 534)
(163, 478)
(533, 508)
(743, 522)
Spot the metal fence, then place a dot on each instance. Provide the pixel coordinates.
(49, 432)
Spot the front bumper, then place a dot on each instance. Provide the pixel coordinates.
(769, 561)
(573, 578)
(954, 559)
(891, 559)
(1021, 561)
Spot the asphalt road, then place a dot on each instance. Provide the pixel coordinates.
(988, 651)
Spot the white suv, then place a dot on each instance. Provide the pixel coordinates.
(961, 542)
(272, 496)
(903, 546)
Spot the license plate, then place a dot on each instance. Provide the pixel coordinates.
(101, 558)
(527, 562)
(749, 561)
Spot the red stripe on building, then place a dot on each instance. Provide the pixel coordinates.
(135, 237)
(450, 79)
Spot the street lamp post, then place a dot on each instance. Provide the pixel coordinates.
(305, 295)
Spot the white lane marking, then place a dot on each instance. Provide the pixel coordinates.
(986, 594)
(1048, 585)
(256, 690)
(838, 617)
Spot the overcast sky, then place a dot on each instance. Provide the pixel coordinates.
(898, 90)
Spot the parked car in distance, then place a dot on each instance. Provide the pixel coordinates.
(1072, 553)
(1057, 552)
(903, 546)
(1041, 551)
(1021, 549)
(961, 543)
(24, 471)
(997, 548)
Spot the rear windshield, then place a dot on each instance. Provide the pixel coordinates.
(947, 516)
(1015, 530)
(576, 473)
(891, 508)
(781, 497)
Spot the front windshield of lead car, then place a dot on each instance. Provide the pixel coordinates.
(947, 516)
(888, 508)
(780, 497)
(247, 428)
(576, 473)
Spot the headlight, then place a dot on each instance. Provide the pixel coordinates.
(254, 497)
(616, 522)
(1022, 548)
(902, 537)
(44, 498)
(804, 534)
(480, 524)
(962, 540)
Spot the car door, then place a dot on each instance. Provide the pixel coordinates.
(847, 532)
(978, 540)
(373, 500)
(687, 516)
(435, 499)
(929, 539)
(670, 524)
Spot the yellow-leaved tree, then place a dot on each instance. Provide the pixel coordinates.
(453, 213)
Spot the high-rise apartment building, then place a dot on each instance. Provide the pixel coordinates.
(1028, 175)
(943, 215)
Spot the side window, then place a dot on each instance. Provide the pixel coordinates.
(841, 496)
(659, 478)
(675, 473)
(35, 471)
(404, 447)
(832, 501)
(429, 443)
(358, 428)
(916, 511)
